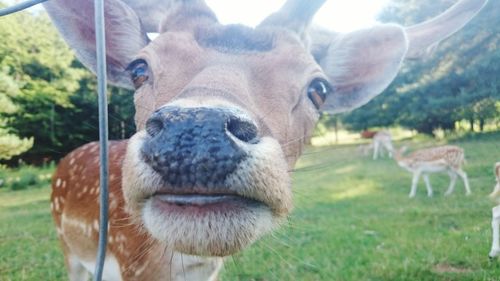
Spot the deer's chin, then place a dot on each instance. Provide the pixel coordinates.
(213, 229)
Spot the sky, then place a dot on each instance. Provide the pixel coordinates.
(337, 15)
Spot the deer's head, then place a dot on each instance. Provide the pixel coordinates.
(222, 111)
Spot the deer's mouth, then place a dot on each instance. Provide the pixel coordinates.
(202, 201)
(216, 224)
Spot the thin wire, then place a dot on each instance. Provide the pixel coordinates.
(103, 136)
(103, 122)
(18, 7)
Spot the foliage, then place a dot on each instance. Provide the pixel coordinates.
(457, 81)
(11, 145)
(25, 176)
(35, 75)
(48, 98)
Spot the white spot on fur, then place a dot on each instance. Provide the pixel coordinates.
(58, 182)
(56, 204)
(74, 223)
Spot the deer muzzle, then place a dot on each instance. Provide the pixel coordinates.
(205, 179)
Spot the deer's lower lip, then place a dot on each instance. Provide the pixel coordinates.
(204, 200)
(194, 199)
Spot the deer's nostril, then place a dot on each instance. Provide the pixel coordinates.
(154, 125)
(244, 130)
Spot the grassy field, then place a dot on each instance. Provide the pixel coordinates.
(352, 221)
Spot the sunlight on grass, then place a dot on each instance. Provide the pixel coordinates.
(347, 137)
(344, 137)
(344, 170)
(360, 190)
(11, 198)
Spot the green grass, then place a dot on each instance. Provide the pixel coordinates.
(352, 221)
(29, 249)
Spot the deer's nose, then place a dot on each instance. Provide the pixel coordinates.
(197, 146)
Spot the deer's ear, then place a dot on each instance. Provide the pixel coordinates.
(362, 64)
(124, 35)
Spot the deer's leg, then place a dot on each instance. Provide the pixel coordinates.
(463, 175)
(428, 185)
(76, 270)
(389, 149)
(453, 179)
(495, 224)
(375, 150)
(414, 182)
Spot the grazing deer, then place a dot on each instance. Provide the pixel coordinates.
(495, 221)
(222, 113)
(448, 158)
(366, 134)
(382, 140)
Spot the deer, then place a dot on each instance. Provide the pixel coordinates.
(223, 113)
(447, 158)
(382, 140)
(495, 220)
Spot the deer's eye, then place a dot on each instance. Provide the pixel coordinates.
(318, 90)
(139, 72)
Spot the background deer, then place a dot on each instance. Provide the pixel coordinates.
(222, 115)
(495, 220)
(425, 161)
(382, 140)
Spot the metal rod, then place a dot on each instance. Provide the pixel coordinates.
(18, 7)
(103, 122)
(103, 135)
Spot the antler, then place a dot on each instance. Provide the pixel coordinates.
(425, 35)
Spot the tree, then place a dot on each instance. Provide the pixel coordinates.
(50, 98)
(10, 144)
